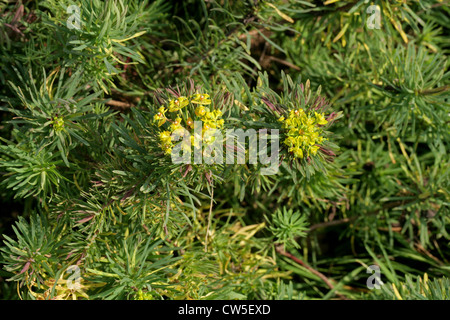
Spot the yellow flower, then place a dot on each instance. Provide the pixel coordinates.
(201, 98)
(314, 150)
(313, 137)
(200, 111)
(210, 118)
(320, 118)
(303, 132)
(144, 295)
(297, 152)
(178, 104)
(167, 149)
(165, 137)
(289, 141)
(208, 136)
(190, 122)
(176, 124)
(209, 115)
(160, 117)
(58, 124)
(166, 141)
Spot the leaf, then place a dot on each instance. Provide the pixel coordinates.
(281, 14)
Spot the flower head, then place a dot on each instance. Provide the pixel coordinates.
(303, 132)
(200, 111)
(176, 124)
(177, 104)
(320, 118)
(201, 98)
(165, 137)
(190, 122)
(58, 123)
(212, 119)
(196, 109)
(160, 117)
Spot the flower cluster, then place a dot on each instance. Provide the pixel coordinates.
(304, 132)
(182, 120)
(58, 123)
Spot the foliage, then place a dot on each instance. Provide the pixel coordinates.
(92, 91)
(421, 289)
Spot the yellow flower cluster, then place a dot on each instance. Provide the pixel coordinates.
(304, 132)
(210, 118)
(58, 123)
(141, 295)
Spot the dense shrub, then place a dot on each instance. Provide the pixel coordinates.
(353, 95)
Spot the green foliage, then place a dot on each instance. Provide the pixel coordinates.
(88, 184)
(34, 254)
(134, 265)
(421, 289)
(53, 115)
(286, 225)
(34, 174)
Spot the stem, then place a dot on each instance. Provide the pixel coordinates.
(209, 216)
(120, 104)
(286, 63)
(167, 208)
(281, 251)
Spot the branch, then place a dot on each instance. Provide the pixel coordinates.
(286, 63)
(210, 215)
(120, 104)
(281, 251)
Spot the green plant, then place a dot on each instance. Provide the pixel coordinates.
(354, 118)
